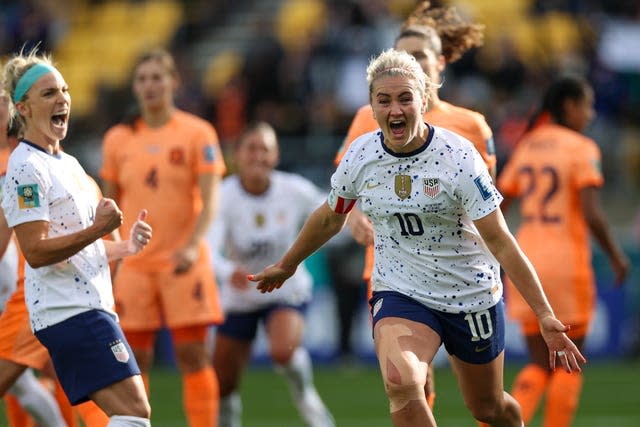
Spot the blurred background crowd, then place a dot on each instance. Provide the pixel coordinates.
(299, 64)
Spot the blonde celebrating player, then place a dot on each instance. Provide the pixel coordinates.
(438, 233)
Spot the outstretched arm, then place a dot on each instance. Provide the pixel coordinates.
(321, 225)
(504, 247)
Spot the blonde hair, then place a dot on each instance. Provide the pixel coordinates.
(13, 70)
(393, 62)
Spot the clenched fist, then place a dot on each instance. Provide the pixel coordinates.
(108, 216)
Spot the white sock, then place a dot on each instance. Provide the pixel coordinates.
(128, 421)
(299, 375)
(37, 401)
(230, 414)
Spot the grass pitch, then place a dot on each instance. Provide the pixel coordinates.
(355, 396)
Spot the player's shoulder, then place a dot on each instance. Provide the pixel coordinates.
(118, 132)
(190, 120)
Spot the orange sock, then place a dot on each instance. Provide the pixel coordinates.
(92, 415)
(431, 400)
(16, 415)
(528, 388)
(562, 398)
(201, 398)
(65, 407)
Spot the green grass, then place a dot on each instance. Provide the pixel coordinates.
(611, 397)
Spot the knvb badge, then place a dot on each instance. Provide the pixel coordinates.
(431, 187)
(28, 196)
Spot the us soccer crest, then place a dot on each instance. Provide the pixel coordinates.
(260, 220)
(120, 351)
(431, 187)
(403, 186)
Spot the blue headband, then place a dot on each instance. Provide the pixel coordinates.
(29, 78)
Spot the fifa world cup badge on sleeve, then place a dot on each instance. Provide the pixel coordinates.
(28, 196)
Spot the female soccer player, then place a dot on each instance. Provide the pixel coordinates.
(168, 161)
(438, 233)
(51, 205)
(555, 170)
(435, 37)
(261, 216)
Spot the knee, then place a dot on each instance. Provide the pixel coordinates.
(403, 389)
(139, 407)
(281, 355)
(490, 410)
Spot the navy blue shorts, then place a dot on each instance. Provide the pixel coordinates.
(244, 326)
(471, 337)
(89, 352)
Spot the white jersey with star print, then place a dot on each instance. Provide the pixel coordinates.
(55, 188)
(422, 205)
(254, 231)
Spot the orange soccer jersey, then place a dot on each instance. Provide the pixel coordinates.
(158, 169)
(547, 170)
(467, 123)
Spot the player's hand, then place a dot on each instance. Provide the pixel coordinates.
(140, 234)
(108, 216)
(271, 277)
(184, 259)
(561, 348)
(361, 227)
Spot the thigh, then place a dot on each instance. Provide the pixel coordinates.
(284, 327)
(124, 397)
(480, 384)
(230, 357)
(137, 301)
(191, 298)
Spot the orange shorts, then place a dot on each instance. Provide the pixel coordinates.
(152, 300)
(17, 342)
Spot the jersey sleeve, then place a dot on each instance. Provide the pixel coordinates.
(25, 195)
(208, 154)
(342, 197)
(110, 142)
(476, 190)
(508, 178)
(587, 168)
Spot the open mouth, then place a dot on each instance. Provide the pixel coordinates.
(59, 120)
(397, 126)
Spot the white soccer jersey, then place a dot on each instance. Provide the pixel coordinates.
(55, 189)
(422, 206)
(255, 231)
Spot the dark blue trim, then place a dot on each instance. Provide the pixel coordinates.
(37, 147)
(414, 152)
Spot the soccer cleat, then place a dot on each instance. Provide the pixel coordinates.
(313, 410)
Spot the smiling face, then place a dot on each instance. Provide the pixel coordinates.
(154, 85)
(398, 106)
(45, 109)
(256, 156)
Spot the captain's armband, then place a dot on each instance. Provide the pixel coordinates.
(339, 204)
